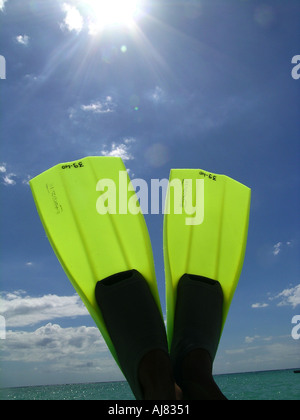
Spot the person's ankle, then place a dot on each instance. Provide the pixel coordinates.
(197, 366)
(198, 382)
(156, 376)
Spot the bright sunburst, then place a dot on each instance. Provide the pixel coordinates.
(112, 12)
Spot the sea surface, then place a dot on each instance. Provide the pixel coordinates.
(270, 385)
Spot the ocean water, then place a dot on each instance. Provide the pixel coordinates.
(271, 385)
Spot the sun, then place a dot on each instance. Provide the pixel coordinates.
(112, 12)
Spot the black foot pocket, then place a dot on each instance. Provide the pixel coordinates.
(198, 319)
(133, 321)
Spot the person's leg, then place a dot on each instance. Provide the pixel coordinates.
(197, 330)
(157, 381)
(197, 379)
(136, 328)
(156, 377)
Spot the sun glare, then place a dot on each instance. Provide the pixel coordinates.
(112, 12)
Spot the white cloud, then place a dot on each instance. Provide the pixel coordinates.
(23, 40)
(276, 248)
(11, 179)
(52, 354)
(30, 79)
(249, 340)
(3, 168)
(235, 351)
(157, 95)
(8, 179)
(259, 305)
(279, 246)
(51, 342)
(98, 107)
(2, 4)
(73, 20)
(26, 180)
(259, 353)
(289, 297)
(21, 310)
(120, 150)
(58, 354)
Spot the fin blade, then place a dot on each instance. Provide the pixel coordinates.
(92, 246)
(214, 248)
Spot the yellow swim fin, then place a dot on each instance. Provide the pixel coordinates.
(205, 235)
(95, 225)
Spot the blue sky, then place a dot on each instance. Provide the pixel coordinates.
(196, 84)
